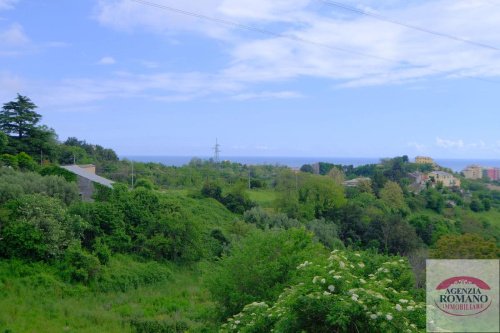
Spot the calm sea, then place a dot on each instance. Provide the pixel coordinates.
(297, 162)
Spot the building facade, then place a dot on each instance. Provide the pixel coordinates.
(473, 172)
(492, 173)
(447, 179)
(424, 160)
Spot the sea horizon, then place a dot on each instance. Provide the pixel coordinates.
(455, 164)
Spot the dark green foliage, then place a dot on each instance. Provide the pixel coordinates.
(212, 190)
(101, 251)
(79, 265)
(4, 140)
(37, 227)
(307, 168)
(430, 229)
(476, 205)
(393, 234)
(54, 170)
(258, 268)
(257, 183)
(94, 152)
(18, 117)
(237, 201)
(105, 222)
(435, 200)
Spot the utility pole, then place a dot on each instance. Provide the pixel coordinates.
(74, 159)
(249, 183)
(132, 174)
(41, 157)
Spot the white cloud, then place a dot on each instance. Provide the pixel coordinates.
(460, 144)
(410, 55)
(266, 95)
(107, 61)
(7, 4)
(171, 87)
(418, 146)
(10, 85)
(13, 36)
(446, 143)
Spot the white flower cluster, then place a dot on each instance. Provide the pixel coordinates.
(304, 264)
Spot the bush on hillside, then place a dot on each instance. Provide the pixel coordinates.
(259, 267)
(346, 292)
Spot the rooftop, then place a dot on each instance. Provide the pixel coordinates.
(87, 175)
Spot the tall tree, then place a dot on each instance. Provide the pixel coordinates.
(4, 140)
(18, 117)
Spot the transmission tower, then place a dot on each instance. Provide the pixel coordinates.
(216, 151)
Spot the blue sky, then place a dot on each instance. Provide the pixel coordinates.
(147, 81)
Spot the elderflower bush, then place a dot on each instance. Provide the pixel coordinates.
(346, 292)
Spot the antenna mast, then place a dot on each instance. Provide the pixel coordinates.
(216, 151)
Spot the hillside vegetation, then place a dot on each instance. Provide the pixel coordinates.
(211, 247)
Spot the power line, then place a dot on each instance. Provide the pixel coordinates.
(406, 25)
(261, 31)
(297, 39)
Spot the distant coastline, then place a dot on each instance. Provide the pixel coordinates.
(456, 165)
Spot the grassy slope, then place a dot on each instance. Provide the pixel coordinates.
(264, 198)
(33, 298)
(42, 303)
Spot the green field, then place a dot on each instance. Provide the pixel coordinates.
(41, 302)
(264, 198)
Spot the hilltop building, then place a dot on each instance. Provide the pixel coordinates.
(492, 173)
(473, 172)
(86, 178)
(447, 179)
(357, 182)
(419, 180)
(424, 160)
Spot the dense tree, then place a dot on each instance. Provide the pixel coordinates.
(38, 227)
(18, 117)
(467, 246)
(392, 196)
(307, 168)
(4, 140)
(319, 196)
(337, 175)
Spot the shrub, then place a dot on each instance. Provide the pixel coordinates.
(54, 170)
(346, 292)
(37, 227)
(259, 267)
(79, 265)
(13, 184)
(468, 246)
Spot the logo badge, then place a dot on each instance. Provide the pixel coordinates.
(463, 296)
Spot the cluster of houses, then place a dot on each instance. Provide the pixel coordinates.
(479, 172)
